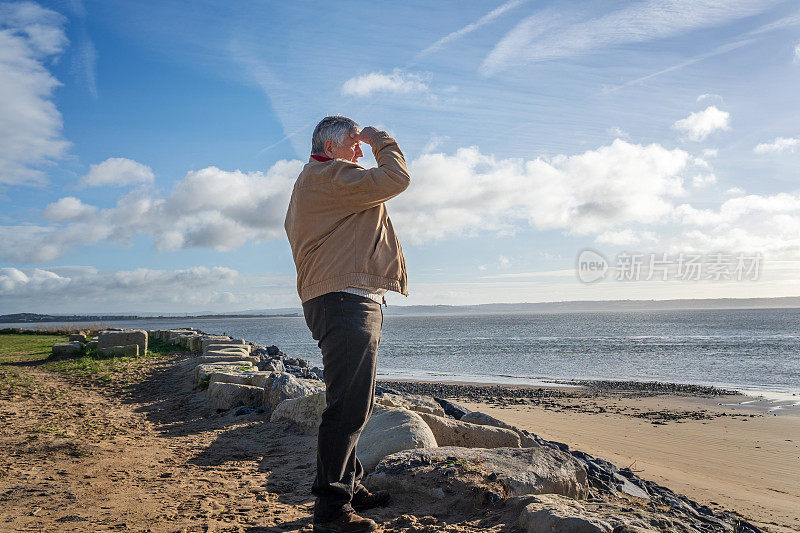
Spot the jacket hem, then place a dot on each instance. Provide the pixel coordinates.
(354, 278)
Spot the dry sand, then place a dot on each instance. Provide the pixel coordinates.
(748, 464)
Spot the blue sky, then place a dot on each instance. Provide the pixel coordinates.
(147, 149)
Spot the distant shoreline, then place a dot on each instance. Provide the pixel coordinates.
(574, 306)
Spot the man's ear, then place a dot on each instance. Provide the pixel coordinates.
(328, 148)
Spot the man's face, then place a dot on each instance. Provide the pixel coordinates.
(349, 151)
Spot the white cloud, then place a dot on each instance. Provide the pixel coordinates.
(398, 82)
(548, 35)
(735, 190)
(753, 223)
(117, 171)
(797, 53)
(778, 145)
(587, 193)
(68, 209)
(30, 124)
(710, 152)
(75, 285)
(469, 28)
(709, 96)
(698, 126)
(503, 262)
(208, 208)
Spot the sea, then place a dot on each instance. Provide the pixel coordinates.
(755, 351)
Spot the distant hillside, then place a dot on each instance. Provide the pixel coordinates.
(587, 306)
(481, 309)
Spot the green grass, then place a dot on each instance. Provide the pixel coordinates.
(32, 348)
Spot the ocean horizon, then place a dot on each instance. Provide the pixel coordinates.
(755, 351)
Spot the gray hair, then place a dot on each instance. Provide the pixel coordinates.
(335, 128)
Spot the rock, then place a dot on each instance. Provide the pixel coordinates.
(450, 432)
(173, 335)
(272, 365)
(204, 371)
(79, 337)
(452, 409)
(211, 339)
(219, 343)
(63, 350)
(251, 360)
(390, 430)
(131, 350)
(196, 344)
(245, 410)
(229, 350)
(551, 512)
(91, 345)
(280, 387)
(316, 371)
(274, 351)
(241, 377)
(506, 471)
(562, 515)
(230, 395)
(230, 376)
(123, 338)
(413, 402)
(475, 417)
(304, 413)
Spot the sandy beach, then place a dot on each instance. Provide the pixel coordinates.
(724, 451)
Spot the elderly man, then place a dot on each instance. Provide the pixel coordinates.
(347, 257)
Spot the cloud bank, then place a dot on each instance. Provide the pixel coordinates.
(30, 123)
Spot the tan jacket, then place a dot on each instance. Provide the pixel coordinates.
(338, 227)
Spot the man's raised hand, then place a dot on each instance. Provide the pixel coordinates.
(366, 135)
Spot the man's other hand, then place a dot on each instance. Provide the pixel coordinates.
(366, 135)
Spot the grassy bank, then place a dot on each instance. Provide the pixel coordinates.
(19, 352)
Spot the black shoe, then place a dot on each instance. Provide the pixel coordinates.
(370, 500)
(346, 523)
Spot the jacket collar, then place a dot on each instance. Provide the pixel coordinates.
(320, 158)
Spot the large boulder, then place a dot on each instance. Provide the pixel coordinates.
(79, 337)
(123, 338)
(64, 350)
(475, 417)
(412, 402)
(196, 343)
(211, 344)
(390, 430)
(304, 413)
(251, 359)
(227, 350)
(485, 474)
(551, 512)
(131, 350)
(229, 395)
(242, 377)
(451, 432)
(204, 371)
(284, 386)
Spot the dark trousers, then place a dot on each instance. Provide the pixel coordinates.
(348, 330)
